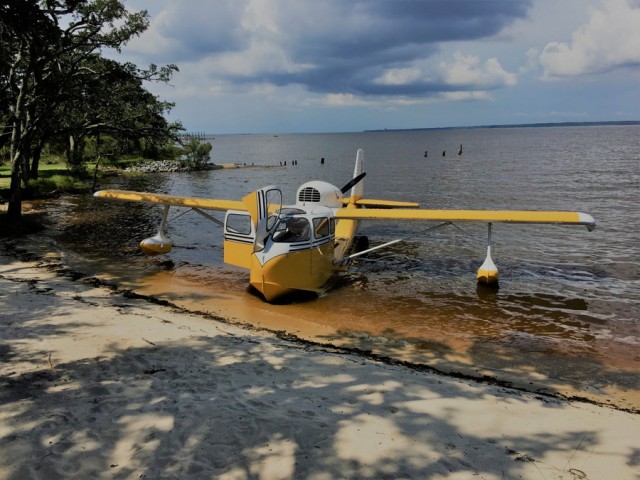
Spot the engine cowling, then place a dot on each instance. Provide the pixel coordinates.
(319, 193)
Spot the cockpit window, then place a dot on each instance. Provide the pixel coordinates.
(322, 227)
(292, 229)
(271, 221)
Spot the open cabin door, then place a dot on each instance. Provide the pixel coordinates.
(260, 205)
(239, 238)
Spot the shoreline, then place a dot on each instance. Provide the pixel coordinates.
(98, 382)
(300, 325)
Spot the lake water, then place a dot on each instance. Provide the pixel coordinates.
(568, 309)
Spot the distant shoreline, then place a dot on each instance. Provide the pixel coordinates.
(521, 125)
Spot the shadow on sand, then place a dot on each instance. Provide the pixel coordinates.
(248, 406)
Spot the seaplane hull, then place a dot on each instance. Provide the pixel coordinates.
(307, 269)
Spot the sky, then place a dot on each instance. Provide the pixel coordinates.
(307, 66)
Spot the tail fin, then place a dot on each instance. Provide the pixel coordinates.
(357, 191)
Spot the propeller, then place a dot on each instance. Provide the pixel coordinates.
(354, 181)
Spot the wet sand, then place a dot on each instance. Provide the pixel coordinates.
(535, 371)
(98, 382)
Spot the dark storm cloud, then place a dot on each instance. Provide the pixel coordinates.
(351, 43)
(339, 46)
(192, 30)
(346, 29)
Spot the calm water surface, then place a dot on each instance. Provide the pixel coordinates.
(568, 306)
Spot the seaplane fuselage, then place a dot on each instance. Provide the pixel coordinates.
(298, 247)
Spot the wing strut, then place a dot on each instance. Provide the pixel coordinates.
(209, 217)
(345, 260)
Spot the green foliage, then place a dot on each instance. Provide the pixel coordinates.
(55, 185)
(5, 154)
(197, 154)
(160, 151)
(105, 147)
(56, 88)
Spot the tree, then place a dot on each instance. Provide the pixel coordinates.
(197, 154)
(54, 78)
(26, 35)
(109, 99)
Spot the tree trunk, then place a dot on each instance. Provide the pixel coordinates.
(35, 160)
(98, 158)
(71, 147)
(74, 153)
(14, 212)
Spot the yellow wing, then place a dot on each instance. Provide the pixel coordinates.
(371, 203)
(197, 202)
(509, 216)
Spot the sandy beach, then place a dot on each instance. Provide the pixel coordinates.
(98, 383)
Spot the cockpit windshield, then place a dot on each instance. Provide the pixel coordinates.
(292, 229)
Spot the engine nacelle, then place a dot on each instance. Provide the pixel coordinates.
(319, 193)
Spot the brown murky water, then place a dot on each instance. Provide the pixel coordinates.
(566, 317)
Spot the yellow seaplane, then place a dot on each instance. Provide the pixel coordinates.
(299, 247)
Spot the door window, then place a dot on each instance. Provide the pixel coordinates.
(240, 224)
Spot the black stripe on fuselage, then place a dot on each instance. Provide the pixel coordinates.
(261, 205)
(238, 238)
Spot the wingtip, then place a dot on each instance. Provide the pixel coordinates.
(102, 193)
(588, 221)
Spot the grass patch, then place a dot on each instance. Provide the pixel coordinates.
(5, 176)
(56, 168)
(55, 184)
(54, 178)
(46, 170)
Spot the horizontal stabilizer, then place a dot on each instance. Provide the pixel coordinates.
(176, 200)
(508, 216)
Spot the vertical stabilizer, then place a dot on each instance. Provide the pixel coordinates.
(357, 191)
(345, 228)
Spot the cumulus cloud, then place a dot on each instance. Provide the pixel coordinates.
(340, 49)
(465, 77)
(399, 76)
(344, 100)
(608, 41)
(467, 71)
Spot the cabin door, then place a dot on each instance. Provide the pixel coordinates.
(261, 204)
(239, 237)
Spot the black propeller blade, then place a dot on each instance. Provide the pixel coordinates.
(354, 181)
